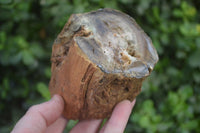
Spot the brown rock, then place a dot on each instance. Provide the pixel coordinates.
(99, 59)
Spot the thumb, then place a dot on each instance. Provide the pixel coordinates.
(39, 117)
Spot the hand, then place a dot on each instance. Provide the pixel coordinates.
(46, 118)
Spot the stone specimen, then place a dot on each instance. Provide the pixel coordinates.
(99, 59)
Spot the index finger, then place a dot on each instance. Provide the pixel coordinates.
(119, 118)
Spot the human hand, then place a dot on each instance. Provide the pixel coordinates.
(47, 118)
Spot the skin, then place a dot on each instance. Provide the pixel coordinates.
(47, 118)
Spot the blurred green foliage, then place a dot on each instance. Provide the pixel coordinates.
(170, 100)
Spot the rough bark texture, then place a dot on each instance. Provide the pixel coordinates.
(91, 81)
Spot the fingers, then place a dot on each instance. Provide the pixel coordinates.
(86, 126)
(119, 118)
(58, 126)
(39, 117)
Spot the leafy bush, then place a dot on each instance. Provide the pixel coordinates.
(170, 98)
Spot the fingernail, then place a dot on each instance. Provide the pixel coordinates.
(133, 102)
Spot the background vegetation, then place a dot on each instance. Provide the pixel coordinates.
(170, 100)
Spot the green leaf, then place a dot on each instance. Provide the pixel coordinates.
(1, 46)
(37, 51)
(71, 124)
(189, 11)
(145, 121)
(143, 6)
(3, 94)
(28, 58)
(196, 77)
(126, 1)
(181, 54)
(185, 92)
(95, 1)
(148, 104)
(177, 13)
(2, 37)
(43, 90)
(189, 125)
(156, 13)
(48, 72)
(173, 99)
(164, 126)
(193, 59)
(172, 71)
(21, 42)
(5, 1)
(16, 58)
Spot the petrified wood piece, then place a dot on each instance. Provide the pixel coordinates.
(99, 59)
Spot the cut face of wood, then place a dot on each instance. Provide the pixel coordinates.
(115, 43)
